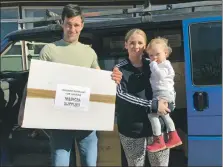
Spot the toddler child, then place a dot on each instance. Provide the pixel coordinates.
(162, 82)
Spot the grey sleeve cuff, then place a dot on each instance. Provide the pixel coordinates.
(153, 108)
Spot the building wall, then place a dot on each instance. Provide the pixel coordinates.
(12, 10)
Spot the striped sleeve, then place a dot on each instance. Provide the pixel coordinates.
(123, 94)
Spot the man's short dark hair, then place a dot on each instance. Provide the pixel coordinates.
(72, 10)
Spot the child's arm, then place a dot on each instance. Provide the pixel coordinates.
(159, 72)
(170, 68)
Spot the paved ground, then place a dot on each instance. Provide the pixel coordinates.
(35, 152)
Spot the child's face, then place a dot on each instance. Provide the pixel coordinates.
(157, 53)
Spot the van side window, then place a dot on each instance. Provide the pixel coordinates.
(34, 49)
(12, 59)
(206, 53)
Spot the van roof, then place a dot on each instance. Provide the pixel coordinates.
(111, 23)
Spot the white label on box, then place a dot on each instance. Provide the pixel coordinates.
(72, 97)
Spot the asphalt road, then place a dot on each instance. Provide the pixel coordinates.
(26, 151)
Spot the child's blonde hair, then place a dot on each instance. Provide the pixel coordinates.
(162, 41)
(133, 31)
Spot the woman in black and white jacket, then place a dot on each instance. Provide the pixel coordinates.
(134, 102)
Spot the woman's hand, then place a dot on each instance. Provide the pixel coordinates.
(116, 75)
(163, 107)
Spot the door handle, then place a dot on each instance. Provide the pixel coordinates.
(200, 101)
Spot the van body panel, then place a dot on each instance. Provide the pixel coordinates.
(204, 151)
(203, 73)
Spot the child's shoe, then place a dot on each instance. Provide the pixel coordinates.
(174, 140)
(157, 145)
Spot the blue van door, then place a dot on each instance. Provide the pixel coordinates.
(203, 72)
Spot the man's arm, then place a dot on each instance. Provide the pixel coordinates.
(95, 64)
(45, 53)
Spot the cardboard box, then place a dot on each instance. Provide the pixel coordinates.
(109, 149)
(62, 96)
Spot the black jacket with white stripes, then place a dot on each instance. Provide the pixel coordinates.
(134, 100)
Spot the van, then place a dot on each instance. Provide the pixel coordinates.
(195, 35)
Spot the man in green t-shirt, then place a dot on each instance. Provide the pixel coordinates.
(70, 51)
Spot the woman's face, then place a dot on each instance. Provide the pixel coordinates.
(135, 45)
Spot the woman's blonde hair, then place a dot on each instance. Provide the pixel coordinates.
(162, 41)
(133, 31)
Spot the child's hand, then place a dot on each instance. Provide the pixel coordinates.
(152, 59)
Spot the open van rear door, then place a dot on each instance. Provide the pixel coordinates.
(203, 74)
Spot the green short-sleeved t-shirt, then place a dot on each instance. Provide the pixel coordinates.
(77, 54)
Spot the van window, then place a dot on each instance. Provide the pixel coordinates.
(34, 49)
(12, 60)
(206, 53)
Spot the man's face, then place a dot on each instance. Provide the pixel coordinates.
(72, 28)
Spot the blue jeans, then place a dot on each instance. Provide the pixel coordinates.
(61, 142)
